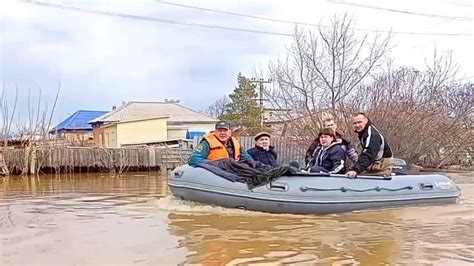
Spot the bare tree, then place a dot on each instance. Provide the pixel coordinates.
(39, 117)
(334, 72)
(218, 108)
(425, 114)
(34, 133)
(322, 68)
(6, 116)
(37, 132)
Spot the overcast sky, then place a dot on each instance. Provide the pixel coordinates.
(103, 60)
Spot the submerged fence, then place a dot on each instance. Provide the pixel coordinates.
(52, 160)
(85, 159)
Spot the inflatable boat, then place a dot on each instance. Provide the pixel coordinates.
(307, 193)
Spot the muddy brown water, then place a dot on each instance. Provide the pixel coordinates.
(132, 220)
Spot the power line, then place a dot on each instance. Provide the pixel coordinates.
(241, 15)
(144, 18)
(159, 20)
(401, 11)
(460, 4)
(299, 22)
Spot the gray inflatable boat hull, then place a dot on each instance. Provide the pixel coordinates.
(313, 194)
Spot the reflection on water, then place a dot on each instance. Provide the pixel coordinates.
(54, 185)
(94, 219)
(217, 239)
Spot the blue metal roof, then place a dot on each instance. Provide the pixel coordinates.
(78, 121)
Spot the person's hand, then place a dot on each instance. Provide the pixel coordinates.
(351, 174)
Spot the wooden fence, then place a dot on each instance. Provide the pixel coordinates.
(174, 157)
(83, 159)
(52, 160)
(288, 150)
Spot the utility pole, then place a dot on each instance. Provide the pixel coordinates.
(260, 82)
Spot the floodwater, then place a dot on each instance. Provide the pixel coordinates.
(132, 219)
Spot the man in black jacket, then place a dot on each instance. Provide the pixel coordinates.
(376, 155)
(263, 151)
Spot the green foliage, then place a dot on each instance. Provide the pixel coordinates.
(243, 107)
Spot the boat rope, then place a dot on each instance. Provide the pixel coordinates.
(344, 189)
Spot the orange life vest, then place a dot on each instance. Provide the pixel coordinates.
(218, 151)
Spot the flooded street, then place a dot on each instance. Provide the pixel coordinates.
(103, 220)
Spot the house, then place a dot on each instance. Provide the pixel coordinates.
(137, 131)
(148, 122)
(76, 128)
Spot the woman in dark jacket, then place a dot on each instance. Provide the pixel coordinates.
(262, 151)
(351, 153)
(329, 156)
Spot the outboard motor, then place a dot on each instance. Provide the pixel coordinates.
(400, 167)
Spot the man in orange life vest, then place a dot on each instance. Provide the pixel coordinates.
(218, 144)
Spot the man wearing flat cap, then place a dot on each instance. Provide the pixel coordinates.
(217, 145)
(263, 151)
